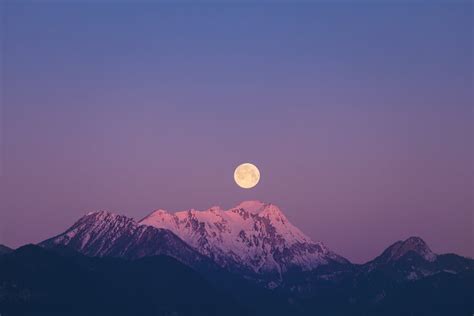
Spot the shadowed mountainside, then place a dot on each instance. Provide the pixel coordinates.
(36, 281)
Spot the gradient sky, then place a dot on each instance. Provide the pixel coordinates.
(359, 116)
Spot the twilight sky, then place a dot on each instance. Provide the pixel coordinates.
(359, 116)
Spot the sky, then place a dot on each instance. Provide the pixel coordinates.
(359, 115)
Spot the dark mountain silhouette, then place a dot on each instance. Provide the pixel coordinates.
(4, 249)
(36, 281)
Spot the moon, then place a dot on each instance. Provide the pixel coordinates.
(246, 175)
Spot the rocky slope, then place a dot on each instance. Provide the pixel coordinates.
(104, 234)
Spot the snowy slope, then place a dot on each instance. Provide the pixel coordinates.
(253, 236)
(104, 234)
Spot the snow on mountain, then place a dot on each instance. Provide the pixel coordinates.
(254, 239)
(106, 234)
(253, 236)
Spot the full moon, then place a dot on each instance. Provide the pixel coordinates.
(246, 175)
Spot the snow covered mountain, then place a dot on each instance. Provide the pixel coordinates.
(252, 236)
(103, 234)
(256, 241)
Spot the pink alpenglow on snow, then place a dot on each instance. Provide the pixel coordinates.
(255, 235)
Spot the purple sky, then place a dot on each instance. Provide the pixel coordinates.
(359, 116)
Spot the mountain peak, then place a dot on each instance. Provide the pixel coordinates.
(252, 206)
(104, 216)
(401, 248)
(254, 235)
(104, 233)
(100, 214)
(415, 240)
(262, 209)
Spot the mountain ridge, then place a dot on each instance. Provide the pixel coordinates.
(255, 235)
(132, 255)
(103, 233)
(254, 240)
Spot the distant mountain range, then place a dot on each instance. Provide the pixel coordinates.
(251, 255)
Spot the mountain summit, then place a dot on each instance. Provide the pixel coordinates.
(414, 245)
(253, 236)
(105, 234)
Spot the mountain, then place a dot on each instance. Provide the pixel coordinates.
(412, 259)
(59, 281)
(405, 279)
(253, 236)
(104, 234)
(253, 239)
(401, 248)
(442, 294)
(37, 281)
(183, 263)
(4, 250)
